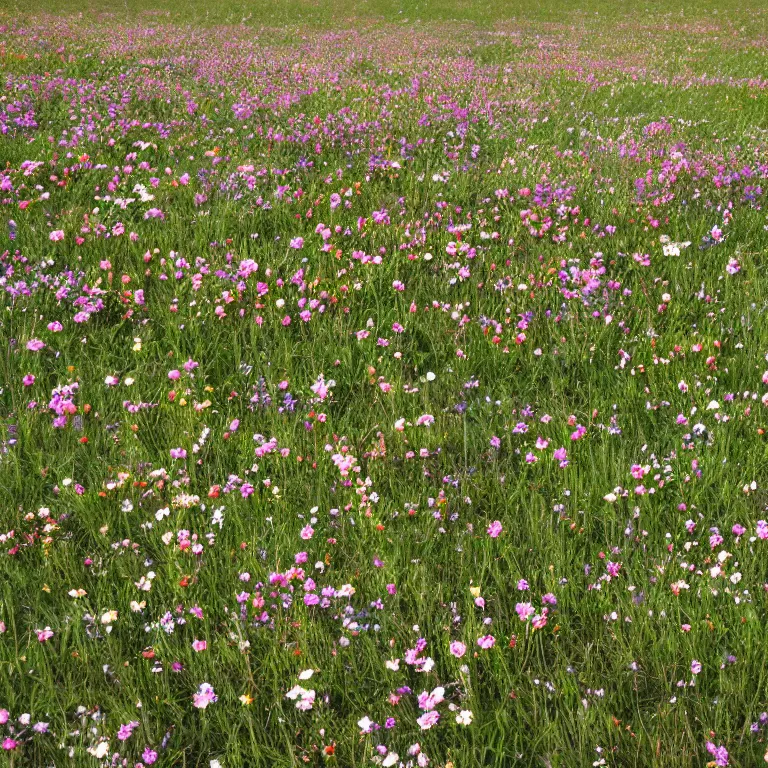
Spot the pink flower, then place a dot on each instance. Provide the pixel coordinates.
(307, 532)
(205, 695)
(178, 453)
(9, 744)
(174, 375)
(486, 641)
(494, 529)
(56, 235)
(539, 622)
(428, 719)
(525, 611)
(35, 345)
(199, 645)
(28, 380)
(549, 599)
(458, 649)
(695, 667)
(762, 529)
(44, 634)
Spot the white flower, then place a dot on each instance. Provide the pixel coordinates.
(295, 692)
(390, 760)
(365, 724)
(464, 717)
(306, 674)
(100, 750)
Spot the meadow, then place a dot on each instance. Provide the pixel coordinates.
(383, 384)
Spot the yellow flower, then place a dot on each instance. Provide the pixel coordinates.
(246, 699)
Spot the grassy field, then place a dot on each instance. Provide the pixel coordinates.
(383, 384)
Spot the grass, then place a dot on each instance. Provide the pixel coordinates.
(435, 240)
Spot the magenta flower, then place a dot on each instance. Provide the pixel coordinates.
(125, 731)
(44, 634)
(494, 529)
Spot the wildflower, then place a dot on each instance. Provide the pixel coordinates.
(428, 720)
(719, 753)
(524, 611)
(464, 717)
(365, 724)
(205, 695)
(695, 667)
